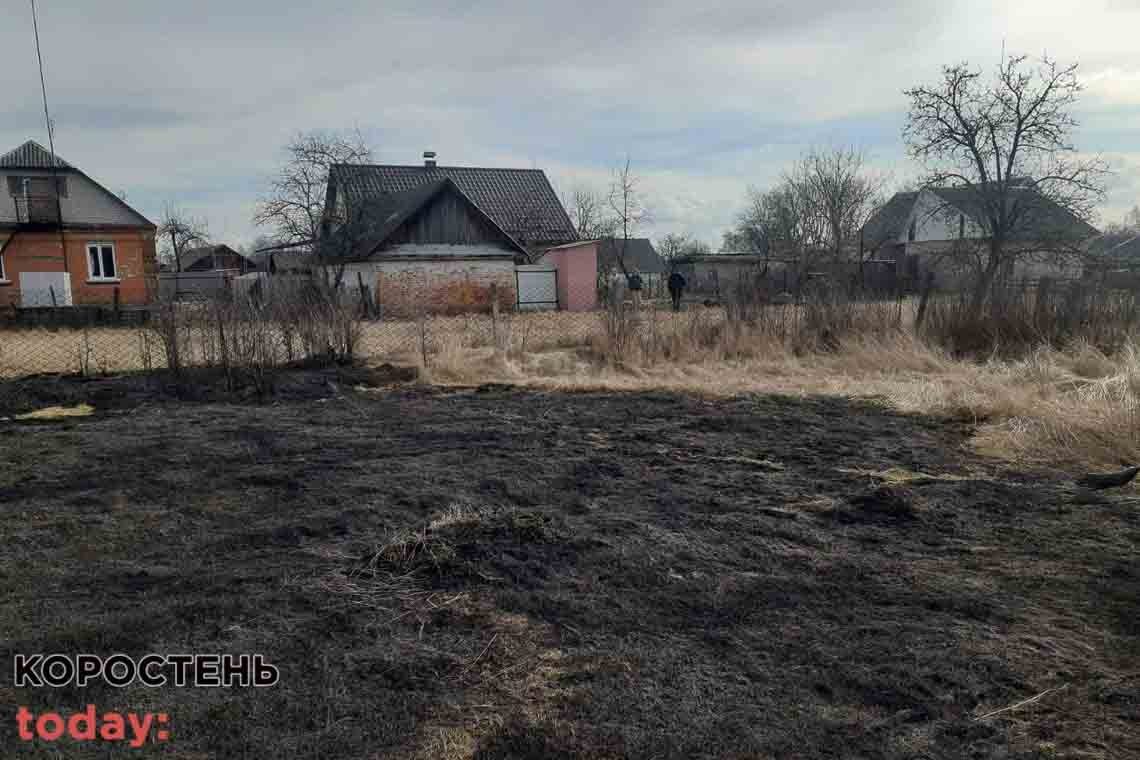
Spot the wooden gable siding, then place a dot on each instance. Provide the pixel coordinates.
(448, 219)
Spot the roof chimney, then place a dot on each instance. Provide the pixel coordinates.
(429, 159)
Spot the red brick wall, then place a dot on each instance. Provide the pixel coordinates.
(405, 293)
(135, 261)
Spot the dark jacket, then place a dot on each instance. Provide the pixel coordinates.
(676, 282)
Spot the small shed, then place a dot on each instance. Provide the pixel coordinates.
(577, 266)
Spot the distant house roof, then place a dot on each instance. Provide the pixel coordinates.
(889, 221)
(386, 213)
(31, 155)
(520, 201)
(1040, 216)
(640, 255)
(191, 256)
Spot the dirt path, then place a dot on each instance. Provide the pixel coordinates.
(493, 573)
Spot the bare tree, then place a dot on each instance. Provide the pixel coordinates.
(841, 193)
(782, 223)
(1004, 143)
(589, 212)
(671, 247)
(627, 207)
(676, 247)
(294, 206)
(178, 232)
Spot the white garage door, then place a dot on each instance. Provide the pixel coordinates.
(40, 289)
(537, 287)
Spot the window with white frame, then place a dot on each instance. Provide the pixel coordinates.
(3, 275)
(101, 261)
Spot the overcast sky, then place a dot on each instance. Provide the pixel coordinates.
(191, 102)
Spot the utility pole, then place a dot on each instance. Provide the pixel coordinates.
(51, 140)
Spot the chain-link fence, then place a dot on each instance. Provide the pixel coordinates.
(96, 349)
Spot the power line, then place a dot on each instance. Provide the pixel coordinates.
(51, 141)
(43, 84)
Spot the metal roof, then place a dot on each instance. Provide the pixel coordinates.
(31, 155)
(383, 214)
(521, 201)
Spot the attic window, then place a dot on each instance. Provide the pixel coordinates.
(38, 187)
(911, 234)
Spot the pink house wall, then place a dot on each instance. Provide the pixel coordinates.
(577, 265)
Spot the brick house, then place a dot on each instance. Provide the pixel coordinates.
(67, 240)
(438, 236)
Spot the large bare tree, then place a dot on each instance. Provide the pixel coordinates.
(1004, 141)
(817, 208)
(841, 193)
(294, 206)
(178, 232)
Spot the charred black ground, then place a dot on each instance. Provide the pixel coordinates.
(499, 573)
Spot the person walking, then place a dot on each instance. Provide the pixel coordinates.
(676, 288)
(633, 283)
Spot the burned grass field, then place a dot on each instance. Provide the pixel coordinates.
(496, 573)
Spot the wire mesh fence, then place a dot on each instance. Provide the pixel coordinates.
(102, 349)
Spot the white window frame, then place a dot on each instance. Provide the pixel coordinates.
(99, 245)
(3, 275)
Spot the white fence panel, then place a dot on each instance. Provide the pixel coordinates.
(537, 287)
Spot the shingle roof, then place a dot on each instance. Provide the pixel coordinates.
(384, 213)
(640, 255)
(521, 201)
(31, 155)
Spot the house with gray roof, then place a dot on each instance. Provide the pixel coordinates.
(445, 238)
(65, 239)
(429, 246)
(521, 202)
(210, 258)
(940, 229)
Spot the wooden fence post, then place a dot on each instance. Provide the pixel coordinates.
(923, 301)
(1041, 305)
(495, 315)
(364, 301)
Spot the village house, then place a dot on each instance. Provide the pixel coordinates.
(66, 240)
(438, 237)
(211, 258)
(940, 230)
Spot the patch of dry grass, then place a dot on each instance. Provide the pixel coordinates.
(1075, 407)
